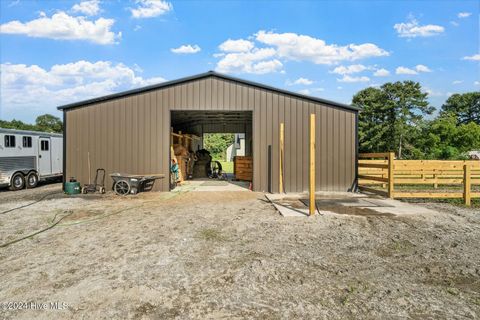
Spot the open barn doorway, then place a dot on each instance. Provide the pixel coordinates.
(211, 150)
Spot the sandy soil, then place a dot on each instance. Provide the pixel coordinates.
(231, 255)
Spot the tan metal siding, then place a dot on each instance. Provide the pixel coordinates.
(131, 134)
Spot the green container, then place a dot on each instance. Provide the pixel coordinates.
(72, 187)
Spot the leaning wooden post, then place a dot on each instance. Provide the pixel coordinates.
(391, 158)
(312, 165)
(466, 185)
(280, 160)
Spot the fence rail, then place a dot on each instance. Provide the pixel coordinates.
(382, 169)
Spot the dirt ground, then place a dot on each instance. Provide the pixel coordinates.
(230, 255)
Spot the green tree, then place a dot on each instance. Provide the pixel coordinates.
(442, 138)
(49, 123)
(464, 106)
(391, 117)
(217, 144)
(16, 124)
(437, 140)
(46, 122)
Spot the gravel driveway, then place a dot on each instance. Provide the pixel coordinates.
(230, 255)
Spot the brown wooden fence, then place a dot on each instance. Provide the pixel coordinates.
(381, 172)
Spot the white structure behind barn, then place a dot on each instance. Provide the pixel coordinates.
(27, 157)
(237, 148)
(474, 155)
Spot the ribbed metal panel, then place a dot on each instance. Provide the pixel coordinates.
(11, 164)
(131, 133)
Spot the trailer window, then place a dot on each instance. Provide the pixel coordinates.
(44, 145)
(27, 142)
(9, 141)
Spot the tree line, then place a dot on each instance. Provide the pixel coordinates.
(397, 117)
(44, 123)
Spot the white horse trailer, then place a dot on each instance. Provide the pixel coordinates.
(27, 157)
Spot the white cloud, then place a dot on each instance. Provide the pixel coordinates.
(405, 70)
(422, 68)
(354, 68)
(263, 67)
(64, 83)
(418, 68)
(412, 29)
(477, 83)
(259, 61)
(13, 3)
(339, 88)
(90, 7)
(292, 46)
(475, 57)
(313, 91)
(302, 81)
(347, 78)
(62, 26)
(381, 73)
(150, 8)
(245, 56)
(186, 49)
(457, 82)
(239, 45)
(434, 93)
(454, 23)
(464, 14)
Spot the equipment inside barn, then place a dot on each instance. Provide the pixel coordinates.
(189, 164)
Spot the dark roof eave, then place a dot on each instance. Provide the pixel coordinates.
(200, 76)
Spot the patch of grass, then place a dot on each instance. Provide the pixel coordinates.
(452, 291)
(396, 247)
(211, 235)
(476, 300)
(227, 166)
(351, 290)
(441, 189)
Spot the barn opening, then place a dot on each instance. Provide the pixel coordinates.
(195, 162)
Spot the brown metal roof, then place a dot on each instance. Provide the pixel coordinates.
(200, 76)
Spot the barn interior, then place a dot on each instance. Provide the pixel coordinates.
(195, 164)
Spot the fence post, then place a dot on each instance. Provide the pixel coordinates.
(281, 142)
(466, 185)
(391, 158)
(312, 204)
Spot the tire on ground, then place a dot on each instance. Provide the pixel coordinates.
(32, 180)
(17, 181)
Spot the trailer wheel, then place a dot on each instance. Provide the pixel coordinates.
(32, 180)
(17, 182)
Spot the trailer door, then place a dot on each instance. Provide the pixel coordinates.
(44, 156)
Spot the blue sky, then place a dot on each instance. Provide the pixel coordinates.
(58, 52)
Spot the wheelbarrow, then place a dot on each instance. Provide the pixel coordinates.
(124, 183)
